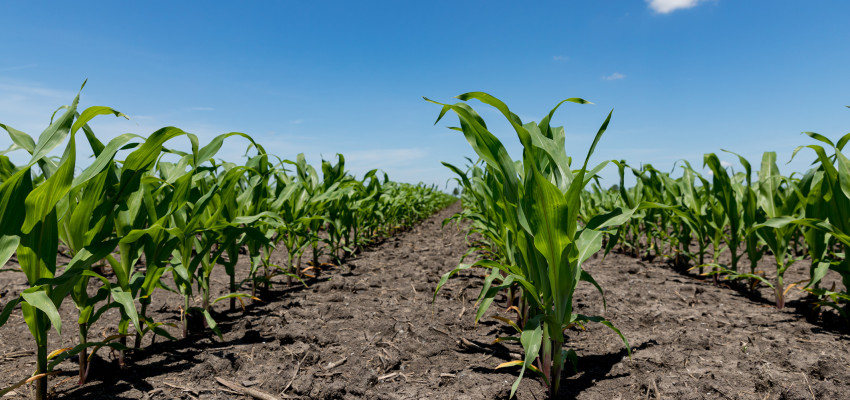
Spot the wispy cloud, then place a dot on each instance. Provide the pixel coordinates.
(668, 6)
(725, 164)
(613, 77)
(296, 121)
(28, 106)
(30, 90)
(403, 165)
(17, 67)
(386, 158)
(560, 58)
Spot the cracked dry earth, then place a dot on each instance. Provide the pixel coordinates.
(368, 330)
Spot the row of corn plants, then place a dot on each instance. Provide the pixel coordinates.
(534, 241)
(745, 214)
(144, 210)
(538, 219)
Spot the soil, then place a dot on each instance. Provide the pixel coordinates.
(368, 330)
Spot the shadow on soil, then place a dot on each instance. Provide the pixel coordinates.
(177, 356)
(594, 368)
(805, 307)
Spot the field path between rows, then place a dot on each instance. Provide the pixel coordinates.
(368, 330)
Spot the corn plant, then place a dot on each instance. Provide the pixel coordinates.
(827, 211)
(29, 215)
(723, 189)
(88, 222)
(293, 207)
(138, 214)
(751, 215)
(544, 246)
(308, 178)
(778, 199)
(364, 201)
(237, 220)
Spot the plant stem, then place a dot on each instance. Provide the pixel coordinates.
(185, 316)
(138, 342)
(780, 295)
(121, 361)
(41, 367)
(557, 367)
(83, 356)
(232, 290)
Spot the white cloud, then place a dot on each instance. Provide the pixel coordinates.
(18, 67)
(296, 121)
(28, 106)
(668, 6)
(613, 77)
(725, 164)
(385, 158)
(24, 90)
(202, 109)
(560, 58)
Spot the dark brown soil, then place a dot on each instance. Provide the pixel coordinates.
(368, 330)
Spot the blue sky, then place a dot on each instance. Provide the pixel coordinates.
(684, 77)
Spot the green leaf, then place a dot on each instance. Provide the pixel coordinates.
(20, 138)
(211, 323)
(531, 340)
(7, 310)
(41, 201)
(128, 304)
(231, 296)
(8, 245)
(38, 298)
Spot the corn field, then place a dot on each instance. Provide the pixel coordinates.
(184, 218)
(161, 213)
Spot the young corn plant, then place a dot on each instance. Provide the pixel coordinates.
(629, 234)
(191, 223)
(237, 220)
(260, 201)
(544, 245)
(696, 210)
(308, 179)
(367, 196)
(87, 222)
(751, 215)
(29, 212)
(779, 204)
(723, 189)
(817, 240)
(137, 214)
(657, 224)
(829, 195)
(293, 207)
